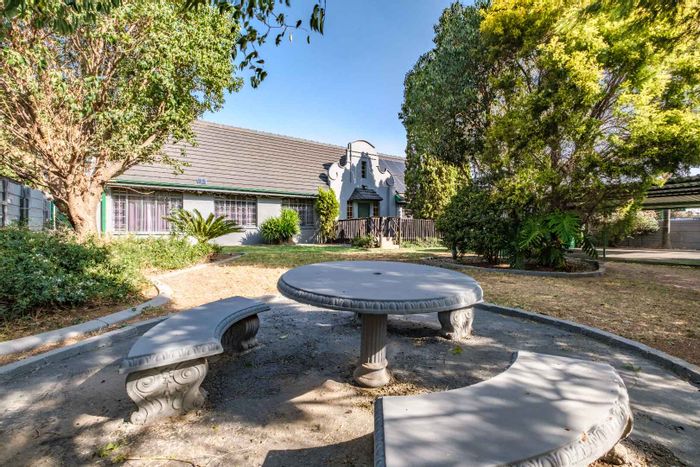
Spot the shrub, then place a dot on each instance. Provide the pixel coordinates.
(476, 220)
(327, 209)
(193, 224)
(281, 229)
(159, 252)
(545, 239)
(365, 241)
(625, 222)
(41, 270)
(424, 243)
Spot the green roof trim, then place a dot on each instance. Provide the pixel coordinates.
(103, 213)
(227, 189)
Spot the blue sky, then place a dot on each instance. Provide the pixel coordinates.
(346, 84)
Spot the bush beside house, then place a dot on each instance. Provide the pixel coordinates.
(281, 229)
(328, 209)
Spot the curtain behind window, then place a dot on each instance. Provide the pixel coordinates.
(144, 213)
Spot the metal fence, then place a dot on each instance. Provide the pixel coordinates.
(398, 229)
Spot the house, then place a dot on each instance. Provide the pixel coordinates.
(249, 176)
(23, 205)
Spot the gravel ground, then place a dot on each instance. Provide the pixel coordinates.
(291, 400)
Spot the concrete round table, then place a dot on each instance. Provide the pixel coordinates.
(376, 289)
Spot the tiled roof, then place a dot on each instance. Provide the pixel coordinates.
(235, 158)
(364, 194)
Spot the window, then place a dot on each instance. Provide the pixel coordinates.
(3, 202)
(47, 212)
(375, 209)
(348, 212)
(143, 213)
(24, 197)
(363, 169)
(243, 210)
(303, 207)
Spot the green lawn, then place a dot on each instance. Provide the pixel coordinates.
(288, 256)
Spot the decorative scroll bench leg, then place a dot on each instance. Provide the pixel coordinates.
(167, 390)
(457, 324)
(241, 336)
(372, 372)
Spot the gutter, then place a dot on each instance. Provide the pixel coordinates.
(212, 188)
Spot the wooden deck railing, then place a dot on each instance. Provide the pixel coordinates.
(398, 229)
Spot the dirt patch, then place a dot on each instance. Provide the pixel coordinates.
(292, 399)
(640, 302)
(656, 305)
(639, 453)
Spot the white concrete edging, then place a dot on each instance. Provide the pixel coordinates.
(103, 340)
(27, 343)
(165, 293)
(680, 367)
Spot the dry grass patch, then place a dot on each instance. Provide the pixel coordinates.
(656, 305)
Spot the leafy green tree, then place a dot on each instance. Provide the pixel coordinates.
(443, 141)
(79, 108)
(193, 224)
(258, 19)
(327, 208)
(573, 107)
(430, 184)
(478, 220)
(447, 93)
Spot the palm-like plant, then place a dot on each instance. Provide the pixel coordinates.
(546, 238)
(193, 224)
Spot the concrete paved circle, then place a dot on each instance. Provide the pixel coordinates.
(380, 287)
(291, 402)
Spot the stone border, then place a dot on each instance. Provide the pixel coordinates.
(685, 370)
(36, 362)
(165, 294)
(523, 272)
(27, 343)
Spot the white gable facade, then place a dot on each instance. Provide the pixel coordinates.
(361, 186)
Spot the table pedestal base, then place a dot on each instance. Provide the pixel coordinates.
(372, 372)
(457, 324)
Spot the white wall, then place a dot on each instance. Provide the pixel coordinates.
(344, 179)
(204, 202)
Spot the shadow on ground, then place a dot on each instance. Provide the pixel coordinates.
(291, 400)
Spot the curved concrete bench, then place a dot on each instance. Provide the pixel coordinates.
(542, 411)
(167, 364)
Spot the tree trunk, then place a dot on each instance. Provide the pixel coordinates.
(81, 209)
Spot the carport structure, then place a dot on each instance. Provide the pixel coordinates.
(679, 192)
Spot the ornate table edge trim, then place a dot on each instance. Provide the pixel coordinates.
(381, 307)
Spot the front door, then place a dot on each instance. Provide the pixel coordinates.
(362, 210)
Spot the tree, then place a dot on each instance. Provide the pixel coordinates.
(443, 140)
(577, 106)
(593, 101)
(446, 94)
(327, 208)
(430, 184)
(79, 108)
(257, 19)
